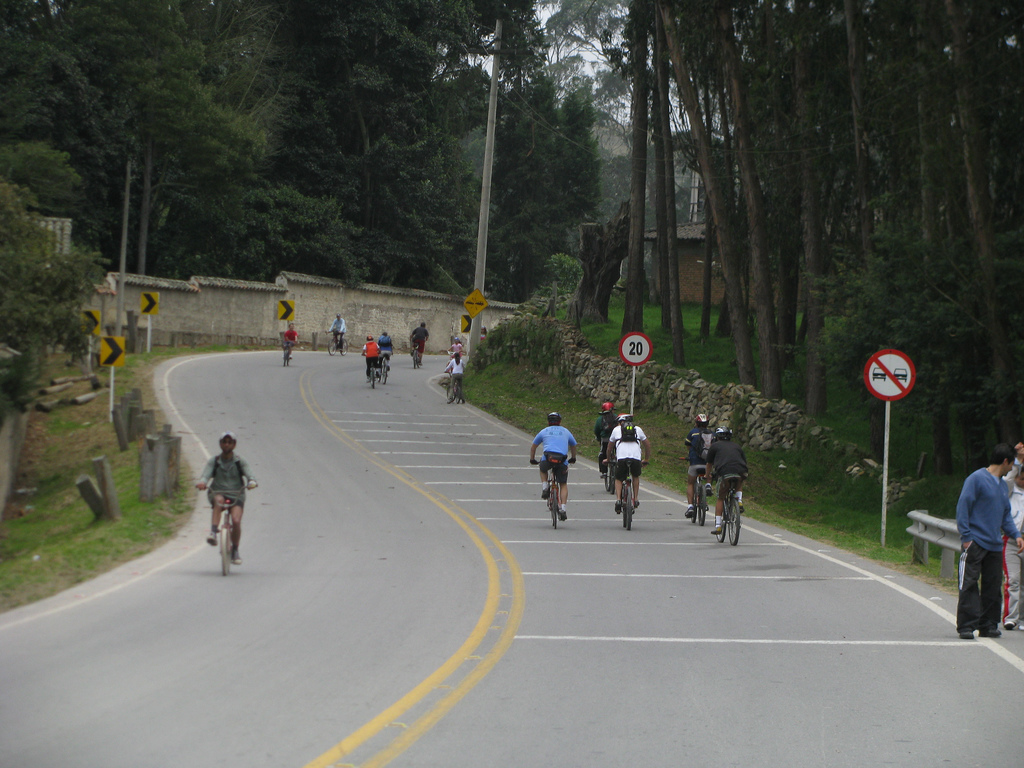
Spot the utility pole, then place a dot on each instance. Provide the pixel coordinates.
(485, 190)
(124, 248)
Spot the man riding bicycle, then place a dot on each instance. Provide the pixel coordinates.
(418, 338)
(603, 427)
(370, 352)
(625, 444)
(291, 337)
(559, 450)
(699, 442)
(227, 472)
(726, 461)
(384, 347)
(338, 329)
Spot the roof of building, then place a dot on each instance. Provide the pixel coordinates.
(692, 231)
(145, 281)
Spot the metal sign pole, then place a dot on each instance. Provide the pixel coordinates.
(632, 391)
(111, 409)
(149, 334)
(885, 469)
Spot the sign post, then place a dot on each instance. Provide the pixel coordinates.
(635, 349)
(889, 375)
(112, 354)
(149, 304)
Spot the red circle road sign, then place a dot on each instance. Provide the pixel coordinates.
(889, 374)
(635, 348)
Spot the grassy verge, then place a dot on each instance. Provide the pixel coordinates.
(807, 492)
(49, 538)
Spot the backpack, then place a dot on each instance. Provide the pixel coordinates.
(609, 419)
(628, 434)
(703, 443)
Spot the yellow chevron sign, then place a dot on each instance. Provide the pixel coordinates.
(112, 350)
(91, 321)
(149, 303)
(285, 309)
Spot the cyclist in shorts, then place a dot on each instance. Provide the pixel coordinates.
(559, 450)
(603, 427)
(457, 368)
(418, 338)
(338, 329)
(227, 472)
(726, 460)
(370, 352)
(625, 444)
(385, 347)
(699, 442)
(291, 337)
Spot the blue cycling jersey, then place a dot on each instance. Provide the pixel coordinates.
(556, 439)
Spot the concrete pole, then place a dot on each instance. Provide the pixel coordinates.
(485, 190)
(124, 249)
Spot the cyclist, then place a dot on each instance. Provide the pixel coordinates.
(698, 441)
(291, 337)
(418, 338)
(227, 472)
(338, 329)
(625, 444)
(456, 347)
(371, 352)
(603, 427)
(385, 347)
(457, 368)
(557, 442)
(726, 460)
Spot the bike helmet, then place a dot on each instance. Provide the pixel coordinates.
(702, 420)
(625, 417)
(338, 315)
(554, 418)
(723, 433)
(369, 337)
(609, 406)
(458, 340)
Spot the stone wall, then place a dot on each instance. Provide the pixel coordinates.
(558, 347)
(219, 310)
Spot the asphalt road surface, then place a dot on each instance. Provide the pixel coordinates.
(405, 600)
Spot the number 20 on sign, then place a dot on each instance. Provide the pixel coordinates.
(635, 349)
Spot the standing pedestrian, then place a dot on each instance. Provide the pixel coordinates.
(982, 515)
(1012, 561)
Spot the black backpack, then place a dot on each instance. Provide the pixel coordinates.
(703, 443)
(628, 433)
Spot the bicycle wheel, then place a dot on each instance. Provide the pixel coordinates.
(343, 347)
(627, 504)
(701, 510)
(373, 378)
(734, 521)
(384, 368)
(224, 540)
(417, 360)
(609, 478)
(553, 502)
(698, 501)
(450, 387)
(725, 521)
(332, 347)
(286, 357)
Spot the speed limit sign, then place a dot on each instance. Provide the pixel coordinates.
(635, 348)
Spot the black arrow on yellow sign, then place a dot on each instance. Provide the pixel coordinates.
(150, 302)
(285, 309)
(112, 350)
(467, 323)
(91, 318)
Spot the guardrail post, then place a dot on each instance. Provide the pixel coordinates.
(947, 567)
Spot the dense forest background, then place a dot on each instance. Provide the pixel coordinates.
(859, 164)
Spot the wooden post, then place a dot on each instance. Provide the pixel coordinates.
(131, 340)
(91, 494)
(105, 478)
(117, 416)
(147, 469)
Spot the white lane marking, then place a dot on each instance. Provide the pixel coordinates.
(695, 576)
(378, 422)
(639, 543)
(572, 502)
(755, 641)
(421, 415)
(446, 453)
(449, 466)
(463, 443)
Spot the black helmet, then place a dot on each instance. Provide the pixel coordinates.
(554, 418)
(723, 433)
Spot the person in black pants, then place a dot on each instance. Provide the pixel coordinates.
(982, 515)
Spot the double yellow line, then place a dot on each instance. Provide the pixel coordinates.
(493, 553)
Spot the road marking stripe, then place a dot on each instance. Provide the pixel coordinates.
(753, 641)
(641, 543)
(696, 576)
(468, 653)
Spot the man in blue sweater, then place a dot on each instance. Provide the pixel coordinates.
(982, 514)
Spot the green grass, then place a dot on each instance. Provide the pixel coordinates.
(806, 491)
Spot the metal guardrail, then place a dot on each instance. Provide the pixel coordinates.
(935, 530)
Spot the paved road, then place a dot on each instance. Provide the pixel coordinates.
(404, 599)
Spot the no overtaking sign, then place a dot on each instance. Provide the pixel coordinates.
(889, 374)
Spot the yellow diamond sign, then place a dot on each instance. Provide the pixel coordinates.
(475, 303)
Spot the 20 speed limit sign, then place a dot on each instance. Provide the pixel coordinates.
(635, 348)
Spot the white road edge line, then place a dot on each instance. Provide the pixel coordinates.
(754, 641)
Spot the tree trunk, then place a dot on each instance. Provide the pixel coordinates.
(979, 196)
(671, 292)
(810, 217)
(941, 448)
(855, 63)
(659, 254)
(719, 206)
(145, 206)
(633, 314)
(705, 303)
(764, 301)
(602, 249)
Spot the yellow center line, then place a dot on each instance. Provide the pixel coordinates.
(481, 537)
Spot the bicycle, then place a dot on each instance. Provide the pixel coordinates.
(553, 492)
(609, 474)
(417, 357)
(287, 352)
(730, 514)
(385, 367)
(454, 388)
(226, 527)
(626, 500)
(339, 345)
(700, 500)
